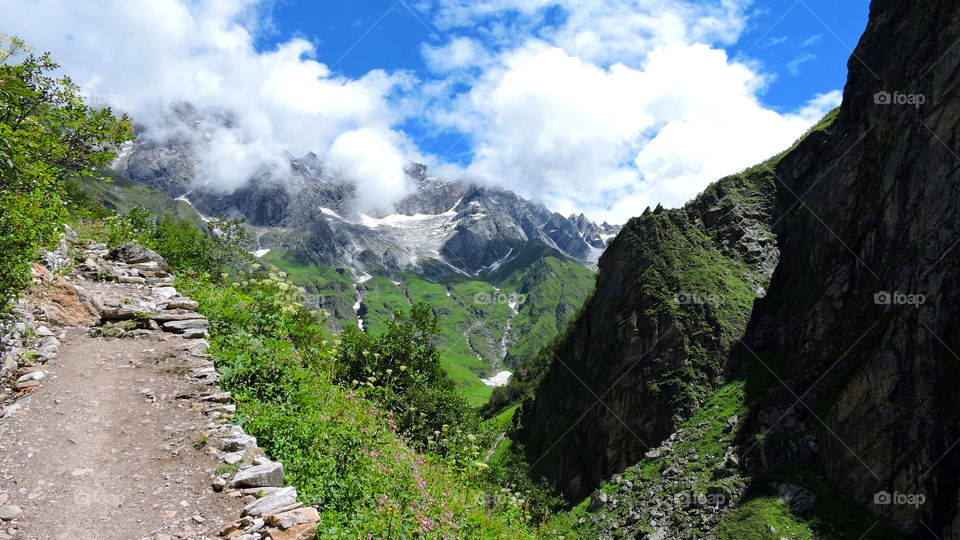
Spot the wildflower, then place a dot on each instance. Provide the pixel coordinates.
(403, 368)
(472, 437)
(482, 465)
(389, 372)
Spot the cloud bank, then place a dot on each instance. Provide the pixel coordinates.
(604, 107)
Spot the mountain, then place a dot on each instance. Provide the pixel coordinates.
(674, 291)
(469, 228)
(699, 395)
(504, 273)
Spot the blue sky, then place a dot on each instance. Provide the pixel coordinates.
(803, 45)
(600, 106)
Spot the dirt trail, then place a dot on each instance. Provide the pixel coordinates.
(104, 447)
(114, 438)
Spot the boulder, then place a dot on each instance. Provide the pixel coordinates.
(187, 326)
(182, 302)
(238, 443)
(270, 474)
(165, 293)
(305, 531)
(132, 253)
(64, 304)
(285, 520)
(278, 501)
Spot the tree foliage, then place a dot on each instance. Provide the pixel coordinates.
(47, 135)
(402, 369)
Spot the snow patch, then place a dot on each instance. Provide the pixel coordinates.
(496, 265)
(500, 379)
(186, 200)
(594, 254)
(331, 213)
(261, 252)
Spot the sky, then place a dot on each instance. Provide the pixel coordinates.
(596, 106)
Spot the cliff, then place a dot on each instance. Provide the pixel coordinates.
(848, 364)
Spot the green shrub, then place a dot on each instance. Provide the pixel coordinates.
(47, 136)
(347, 453)
(401, 370)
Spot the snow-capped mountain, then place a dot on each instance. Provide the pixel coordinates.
(312, 216)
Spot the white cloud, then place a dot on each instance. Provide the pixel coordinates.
(372, 161)
(604, 106)
(153, 53)
(812, 40)
(557, 118)
(461, 53)
(793, 66)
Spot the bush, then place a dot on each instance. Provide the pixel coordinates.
(47, 136)
(401, 371)
(347, 453)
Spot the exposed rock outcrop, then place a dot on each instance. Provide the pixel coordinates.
(850, 356)
(675, 288)
(864, 304)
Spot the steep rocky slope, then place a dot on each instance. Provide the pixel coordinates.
(842, 395)
(675, 288)
(860, 325)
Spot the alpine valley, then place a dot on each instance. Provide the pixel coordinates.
(503, 274)
(777, 358)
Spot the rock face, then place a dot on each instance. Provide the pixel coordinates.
(865, 301)
(675, 288)
(850, 355)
